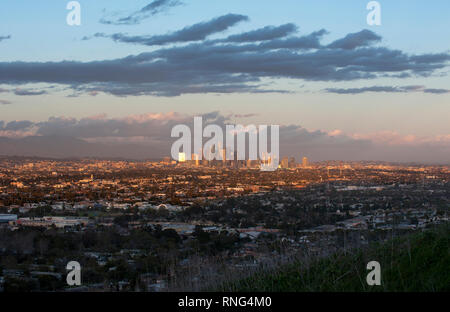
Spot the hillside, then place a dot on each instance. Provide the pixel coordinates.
(417, 262)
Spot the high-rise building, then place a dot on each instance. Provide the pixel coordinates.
(181, 157)
(197, 160)
(305, 161)
(292, 163)
(224, 157)
(285, 162)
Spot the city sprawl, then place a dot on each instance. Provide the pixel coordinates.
(190, 225)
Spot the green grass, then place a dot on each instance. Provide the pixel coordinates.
(416, 262)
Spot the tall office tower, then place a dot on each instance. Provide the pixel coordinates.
(264, 158)
(224, 157)
(203, 160)
(234, 162)
(208, 157)
(285, 162)
(292, 163)
(195, 160)
(181, 157)
(305, 161)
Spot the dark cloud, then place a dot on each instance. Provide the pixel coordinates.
(4, 102)
(311, 41)
(18, 125)
(389, 89)
(156, 127)
(25, 92)
(149, 10)
(437, 91)
(168, 89)
(194, 32)
(245, 115)
(265, 33)
(355, 40)
(4, 38)
(218, 66)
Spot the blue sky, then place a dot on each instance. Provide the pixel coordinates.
(39, 33)
(39, 30)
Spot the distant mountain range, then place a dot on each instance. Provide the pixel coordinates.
(67, 147)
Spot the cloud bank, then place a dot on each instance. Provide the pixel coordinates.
(387, 89)
(195, 32)
(147, 136)
(223, 66)
(151, 9)
(189, 61)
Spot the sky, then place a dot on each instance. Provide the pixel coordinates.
(340, 88)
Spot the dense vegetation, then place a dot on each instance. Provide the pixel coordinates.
(416, 262)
